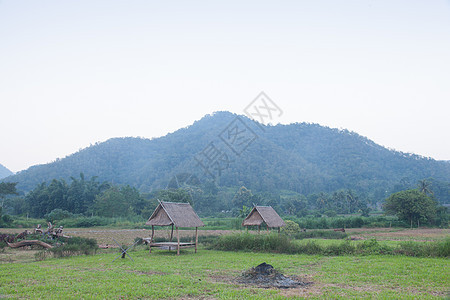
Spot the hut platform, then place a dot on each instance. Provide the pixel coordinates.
(168, 245)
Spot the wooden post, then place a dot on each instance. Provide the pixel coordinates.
(278, 230)
(151, 239)
(267, 228)
(178, 240)
(171, 234)
(259, 228)
(196, 238)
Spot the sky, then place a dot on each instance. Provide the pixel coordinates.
(73, 73)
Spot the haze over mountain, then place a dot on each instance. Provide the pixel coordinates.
(301, 157)
(4, 172)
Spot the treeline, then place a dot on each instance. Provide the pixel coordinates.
(90, 197)
(79, 197)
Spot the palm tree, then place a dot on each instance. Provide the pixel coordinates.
(425, 186)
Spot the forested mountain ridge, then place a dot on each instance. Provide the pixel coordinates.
(4, 172)
(301, 157)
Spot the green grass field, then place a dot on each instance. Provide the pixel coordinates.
(211, 275)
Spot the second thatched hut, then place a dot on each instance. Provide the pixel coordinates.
(263, 215)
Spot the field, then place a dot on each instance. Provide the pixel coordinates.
(212, 274)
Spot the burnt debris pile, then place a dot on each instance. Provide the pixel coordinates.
(264, 275)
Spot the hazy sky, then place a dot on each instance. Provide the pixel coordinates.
(76, 72)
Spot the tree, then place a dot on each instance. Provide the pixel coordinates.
(411, 206)
(112, 203)
(7, 188)
(424, 186)
(243, 197)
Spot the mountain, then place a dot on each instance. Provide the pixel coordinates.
(4, 172)
(301, 157)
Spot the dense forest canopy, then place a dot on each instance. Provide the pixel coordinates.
(305, 160)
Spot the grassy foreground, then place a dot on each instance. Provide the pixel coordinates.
(210, 274)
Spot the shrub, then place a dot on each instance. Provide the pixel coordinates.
(309, 248)
(282, 244)
(254, 242)
(291, 228)
(373, 247)
(330, 213)
(323, 234)
(339, 249)
(70, 247)
(84, 222)
(427, 249)
(57, 215)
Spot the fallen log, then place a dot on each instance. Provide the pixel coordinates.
(29, 243)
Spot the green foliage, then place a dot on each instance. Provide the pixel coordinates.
(69, 247)
(282, 244)
(117, 202)
(57, 215)
(85, 222)
(7, 188)
(322, 234)
(425, 249)
(254, 242)
(244, 211)
(291, 228)
(174, 195)
(5, 220)
(347, 222)
(411, 206)
(75, 197)
(330, 213)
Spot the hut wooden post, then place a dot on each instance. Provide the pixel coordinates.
(259, 228)
(278, 230)
(196, 238)
(171, 234)
(178, 241)
(267, 228)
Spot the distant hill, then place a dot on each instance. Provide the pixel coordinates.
(301, 157)
(4, 172)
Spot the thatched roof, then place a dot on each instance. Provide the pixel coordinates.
(263, 214)
(178, 214)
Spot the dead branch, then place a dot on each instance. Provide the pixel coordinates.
(29, 243)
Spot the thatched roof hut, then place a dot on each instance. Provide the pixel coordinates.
(263, 214)
(175, 215)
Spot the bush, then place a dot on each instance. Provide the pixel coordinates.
(373, 247)
(330, 213)
(339, 249)
(70, 246)
(323, 234)
(58, 214)
(282, 244)
(425, 249)
(254, 242)
(291, 228)
(84, 222)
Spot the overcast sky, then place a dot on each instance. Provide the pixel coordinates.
(76, 72)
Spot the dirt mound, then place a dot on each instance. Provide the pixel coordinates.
(264, 275)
